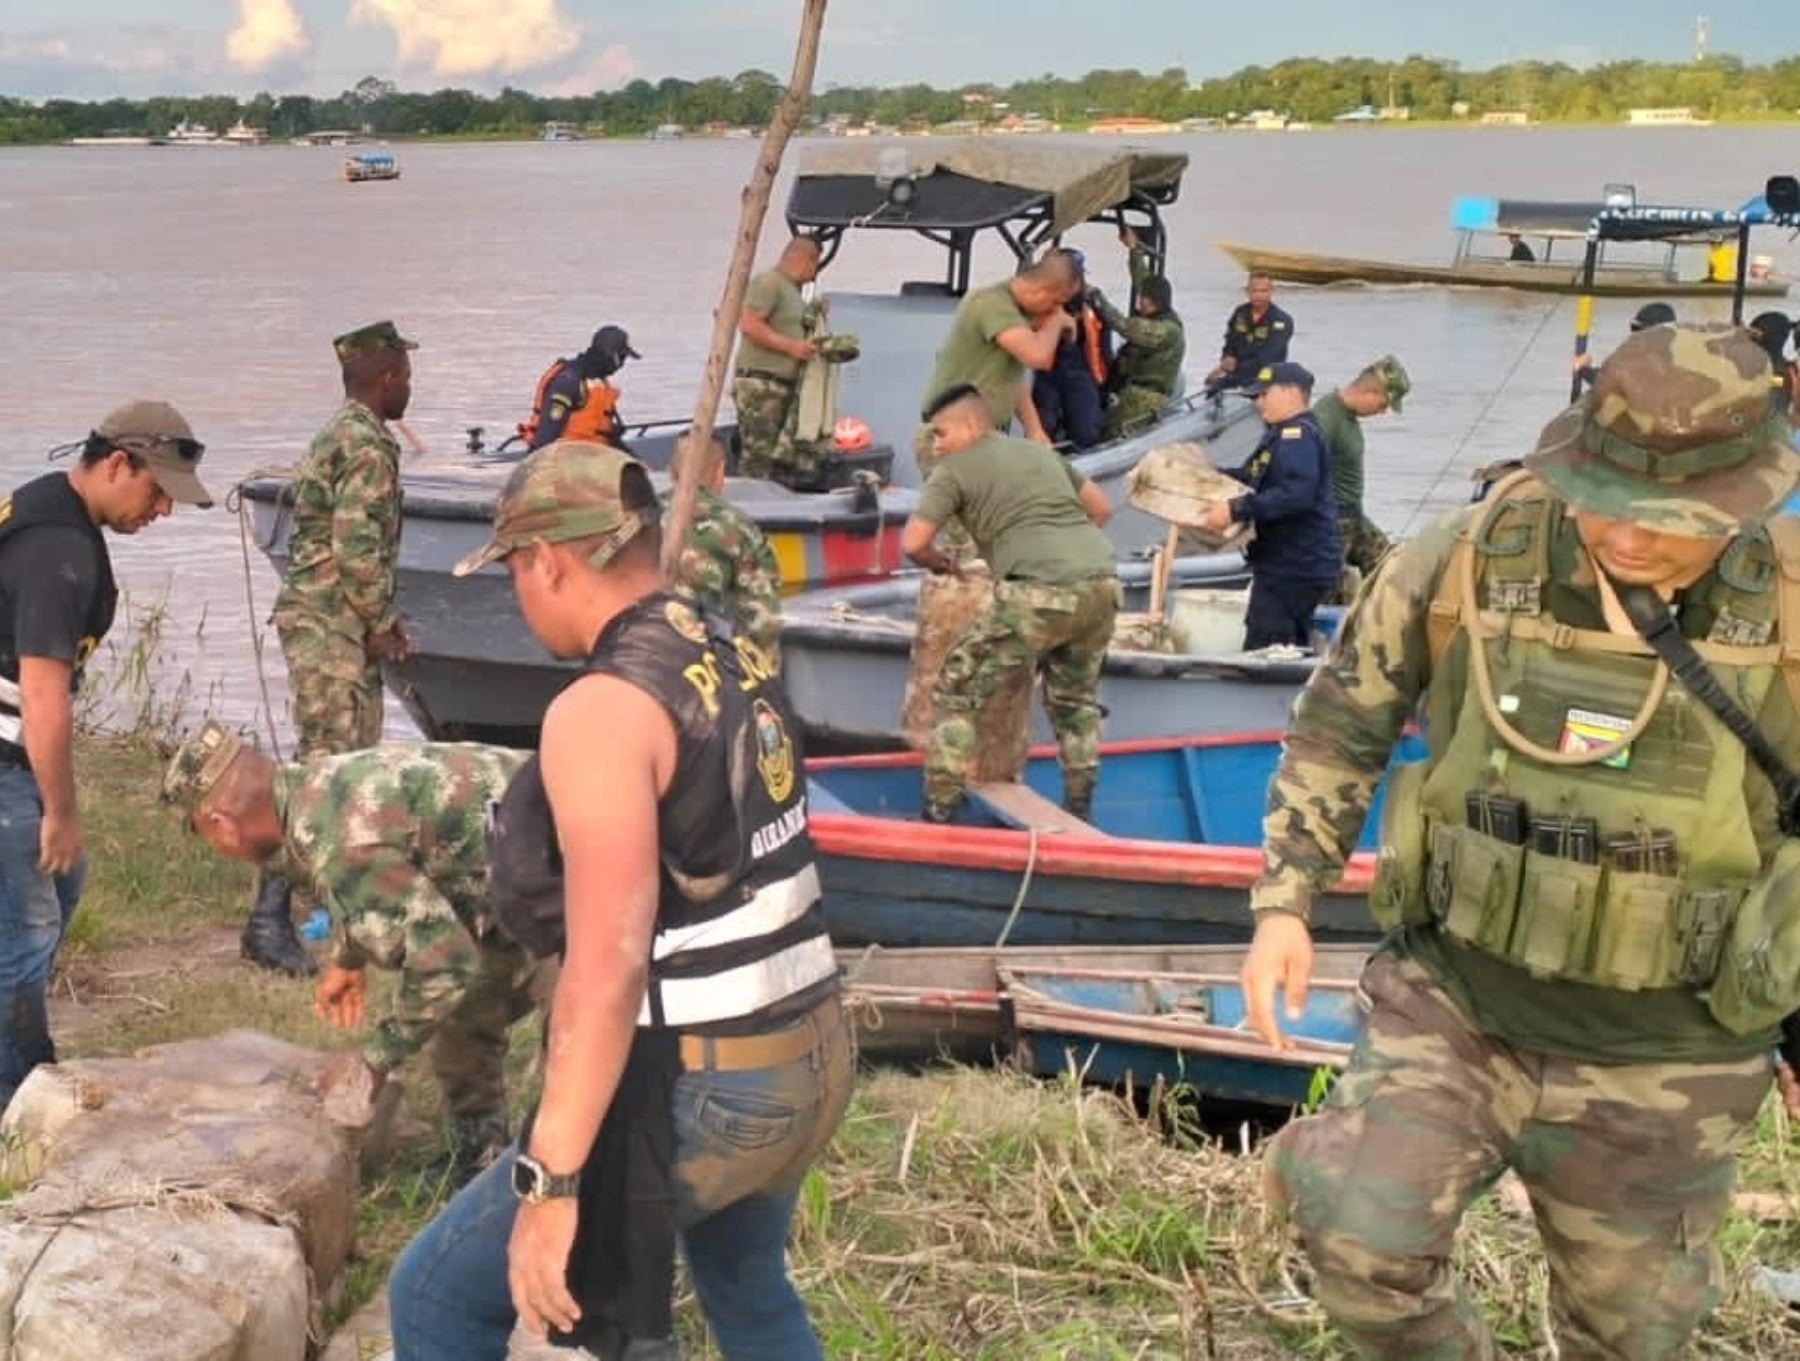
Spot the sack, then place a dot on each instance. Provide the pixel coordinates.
(1178, 483)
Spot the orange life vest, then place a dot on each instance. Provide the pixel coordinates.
(1093, 344)
(597, 418)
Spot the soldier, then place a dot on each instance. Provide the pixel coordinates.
(698, 1056)
(1146, 373)
(1035, 520)
(57, 600)
(771, 349)
(1257, 334)
(726, 563)
(1379, 387)
(1594, 894)
(391, 839)
(1294, 558)
(335, 613)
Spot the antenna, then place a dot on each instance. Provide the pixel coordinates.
(1701, 26)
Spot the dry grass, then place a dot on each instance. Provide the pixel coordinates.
(960, 1214)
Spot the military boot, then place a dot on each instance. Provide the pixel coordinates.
(475, 1141)
(269, 938)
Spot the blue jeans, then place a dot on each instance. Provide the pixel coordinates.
(34, 912)
(743, 1142)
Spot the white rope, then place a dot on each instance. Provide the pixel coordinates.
(1024, 887)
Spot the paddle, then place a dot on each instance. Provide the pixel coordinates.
(737, 278)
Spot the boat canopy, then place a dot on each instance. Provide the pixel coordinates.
(1664, 222)
(1529, 217)
(371, 158)
(1029, 192)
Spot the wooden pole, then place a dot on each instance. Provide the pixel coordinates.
(737, 278)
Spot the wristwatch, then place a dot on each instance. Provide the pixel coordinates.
(533, 1183)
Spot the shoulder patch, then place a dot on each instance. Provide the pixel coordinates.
(1293, 432)
(685, 621)
(1279, 325)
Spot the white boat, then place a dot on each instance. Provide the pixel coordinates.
(185, 133)
(561, 132)
(241, 133)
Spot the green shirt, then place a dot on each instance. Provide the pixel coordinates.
(777, 297)
(1020, 503)
(1344, 437)
(969, 354)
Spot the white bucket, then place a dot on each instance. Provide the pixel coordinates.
(1207, 622)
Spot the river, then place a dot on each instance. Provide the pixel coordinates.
(215, 278)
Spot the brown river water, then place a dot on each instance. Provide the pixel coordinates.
(215, 278)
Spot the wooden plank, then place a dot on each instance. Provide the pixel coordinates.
(1021, 806)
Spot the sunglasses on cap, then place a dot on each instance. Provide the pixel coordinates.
(187, 449)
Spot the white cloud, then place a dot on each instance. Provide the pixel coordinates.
(475, 37)
(268, 31)
(606, 70)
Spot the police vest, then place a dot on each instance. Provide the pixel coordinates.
(50, 500)
(596, 418)
(740, 935)
(1628, 861)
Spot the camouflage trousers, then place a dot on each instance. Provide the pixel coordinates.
(1059, 631)
(1361, 546)
(334, 687)
(765, 422)
(1629, 1168)
(1132, 409)
(952, 537)
(468, 1052)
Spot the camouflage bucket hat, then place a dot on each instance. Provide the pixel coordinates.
(1678, 435)
(199, 764)
(569, 489)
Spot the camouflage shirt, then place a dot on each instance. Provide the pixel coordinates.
(346, 537)
(392, 840)
(1154, 347)
(728, 566)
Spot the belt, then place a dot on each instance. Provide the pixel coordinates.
(782, 378)
(734, 1053)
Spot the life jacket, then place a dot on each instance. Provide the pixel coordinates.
(49, 500)
(1093, 344)
(740, 933)
(1632, 751)
(597, 418)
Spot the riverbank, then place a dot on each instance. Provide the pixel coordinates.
(959, 1214)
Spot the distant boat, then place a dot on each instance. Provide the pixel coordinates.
(1479, 222)
(241, 133)
(119, 139)
(1682, 117)
(561, 132)
(185, 133)
(1132, 126)
(329, 137)
(666, 132)
(370, 165)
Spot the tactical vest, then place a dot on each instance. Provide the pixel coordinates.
(1637, 872)
(49, 500)
(740, 935)
(597, 418)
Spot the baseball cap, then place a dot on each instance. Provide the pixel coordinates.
(199, 764)
(613, 342)
(157, 433)
(1279, 375)
(1677, 434)
(569, 489)
(377, 335)
(1653, 314)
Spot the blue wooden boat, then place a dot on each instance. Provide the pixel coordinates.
(1029, 1003)
(1170, 853)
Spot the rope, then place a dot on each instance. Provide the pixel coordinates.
(234, 502)
(1481, 416)
(1024, 887)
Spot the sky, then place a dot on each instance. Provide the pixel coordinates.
(101, 48)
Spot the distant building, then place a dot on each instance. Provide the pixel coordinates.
(1362, 113)
(1509, 118)
(1680, 117)
(1460, 109)
(1132, 126)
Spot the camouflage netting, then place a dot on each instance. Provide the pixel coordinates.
(947, 605)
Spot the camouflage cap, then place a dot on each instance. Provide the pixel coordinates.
(569, 489)
(378, 335)
(160, 436)
(1390, 375)
(1677, 434)
(198, 764)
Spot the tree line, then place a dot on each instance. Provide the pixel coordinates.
(1722, 87)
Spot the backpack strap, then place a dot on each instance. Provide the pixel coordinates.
(1784, 535)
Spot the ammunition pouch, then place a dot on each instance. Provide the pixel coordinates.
(1758, 981)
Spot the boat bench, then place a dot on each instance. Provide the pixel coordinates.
(1022, 807)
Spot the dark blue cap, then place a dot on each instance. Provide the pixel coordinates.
(1279, 375)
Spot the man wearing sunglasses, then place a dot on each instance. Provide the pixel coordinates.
(57, 598)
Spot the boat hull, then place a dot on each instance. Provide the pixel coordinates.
(1537, 277)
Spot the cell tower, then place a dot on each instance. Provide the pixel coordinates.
(1701, 24)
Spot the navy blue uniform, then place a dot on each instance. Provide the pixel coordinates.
(1294, 557)
(1255, 344)
(1068, 399)
(561, 396)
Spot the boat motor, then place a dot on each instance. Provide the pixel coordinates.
(474, 448)
(1783, 194)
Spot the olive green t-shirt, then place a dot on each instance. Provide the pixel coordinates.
(969, 354)
(1020, 502)
(777, 297)
(1344, 437)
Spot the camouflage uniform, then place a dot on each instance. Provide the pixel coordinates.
(766, 445)
(339, 590)
(1059, 629)
(1620, 1104)
(727, 565)
(1146, 372)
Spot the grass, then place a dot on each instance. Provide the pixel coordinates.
(960, 1215)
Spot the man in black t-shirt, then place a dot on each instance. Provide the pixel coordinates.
(57, 598)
